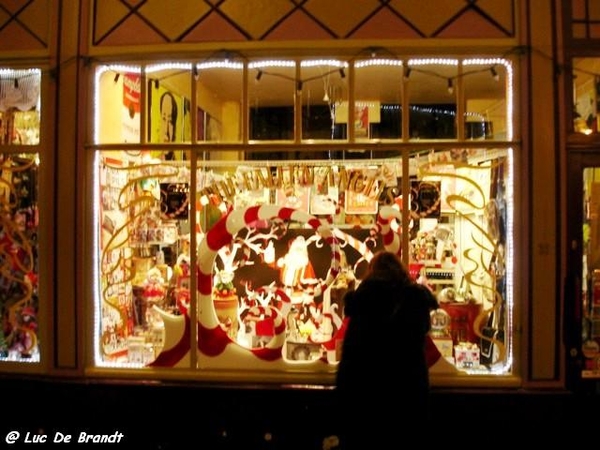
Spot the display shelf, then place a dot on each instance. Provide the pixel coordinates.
(437, 275)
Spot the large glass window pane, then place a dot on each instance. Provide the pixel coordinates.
(265, 292)
(271, 91)
(324, 93)
(432, 98)
(378, 99)
(460, 243)
(219, 93)
(19, 302)
(20, 106)
(169, 104)
(485, 86)
(143, 217)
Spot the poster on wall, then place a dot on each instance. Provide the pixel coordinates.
(131, 108)
(201, 124)
(361, 121)
(166, 116)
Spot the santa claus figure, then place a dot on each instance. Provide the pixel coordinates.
(295, 266)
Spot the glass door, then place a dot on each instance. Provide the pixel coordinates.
(582, 295)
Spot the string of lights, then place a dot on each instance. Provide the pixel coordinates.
(236, 60)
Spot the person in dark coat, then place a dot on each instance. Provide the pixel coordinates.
(382, 382)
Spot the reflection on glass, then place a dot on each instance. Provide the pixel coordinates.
(19, 302)
(20, 107)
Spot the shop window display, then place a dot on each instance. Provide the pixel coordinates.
(266, 239)
(257, 251)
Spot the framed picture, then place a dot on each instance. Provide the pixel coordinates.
(361, 121)
(358, 203)
(174, 200)
(425, 199)
(297, 197)
(324, 203)
(256, 197)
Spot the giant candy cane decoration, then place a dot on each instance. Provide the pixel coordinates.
(391, 239)
(216, 349)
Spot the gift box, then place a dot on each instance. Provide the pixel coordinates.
(462, 319)
(135, 346)
(444, 345)
(303, 351)
(466, 355)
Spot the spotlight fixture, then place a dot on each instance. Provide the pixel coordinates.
(450, 86)
(342, 73)
(407, 73)
(156, 83)
(195, 72)
(299, 85)
(117, 75)
(16, 84)
(259, 75)
(494, 73)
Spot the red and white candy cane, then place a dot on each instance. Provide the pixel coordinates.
(391, 238)
(361, 247)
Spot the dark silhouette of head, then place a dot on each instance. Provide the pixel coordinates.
(386, 265)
